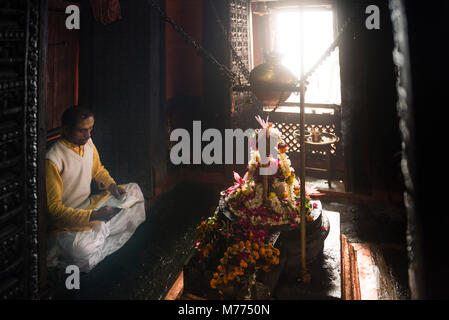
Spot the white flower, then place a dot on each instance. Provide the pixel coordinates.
(255, 156)
(291, 195)
(274, 132)
(257, 201)
(276, 205)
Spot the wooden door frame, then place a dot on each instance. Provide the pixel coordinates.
(42, 140)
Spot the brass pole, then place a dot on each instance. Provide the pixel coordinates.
(302, 177)
(265, 177)
(302, 163)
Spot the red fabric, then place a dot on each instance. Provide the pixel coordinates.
(106, 11)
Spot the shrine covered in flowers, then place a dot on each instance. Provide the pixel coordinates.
(279, 145)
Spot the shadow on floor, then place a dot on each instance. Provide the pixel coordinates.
(149, 263)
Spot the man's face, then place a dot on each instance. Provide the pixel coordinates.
(80, 134)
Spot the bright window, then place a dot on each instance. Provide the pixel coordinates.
(324, 84)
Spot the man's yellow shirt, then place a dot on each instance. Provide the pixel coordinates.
(66, 218)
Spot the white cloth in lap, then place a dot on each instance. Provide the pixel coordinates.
(86, 249)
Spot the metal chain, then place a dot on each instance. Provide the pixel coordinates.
(328, 52)
(225, 70)
(240, 64)
(231, 76)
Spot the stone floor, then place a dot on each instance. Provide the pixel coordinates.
(325, 271)
(322, 184)
(149, 263)
(381, 226)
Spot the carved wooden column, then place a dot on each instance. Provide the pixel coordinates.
(19, 81)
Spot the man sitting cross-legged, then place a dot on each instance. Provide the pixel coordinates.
(84, 229)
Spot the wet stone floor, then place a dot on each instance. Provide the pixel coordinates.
(149, 263)
(382, 226)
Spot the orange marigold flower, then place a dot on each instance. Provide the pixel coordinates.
(255, 246)
(213, 283)
(215, 275)
(220, 268)
(242, 244)
(266, 268)
(248, 244)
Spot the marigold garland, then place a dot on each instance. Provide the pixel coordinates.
(248, 251)
(242, 259)
(206, 235)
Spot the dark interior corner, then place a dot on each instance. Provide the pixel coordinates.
(142, 80)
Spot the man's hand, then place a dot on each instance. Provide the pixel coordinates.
(105, 213)
(116, 191)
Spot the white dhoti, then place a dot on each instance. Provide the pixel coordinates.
(86, 249)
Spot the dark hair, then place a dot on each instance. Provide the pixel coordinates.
(73, 115)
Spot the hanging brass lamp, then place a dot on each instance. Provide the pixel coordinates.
(271, 81)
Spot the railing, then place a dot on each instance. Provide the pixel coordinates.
(324, 118)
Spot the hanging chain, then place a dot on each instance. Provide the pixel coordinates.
(231, 76)
(328, 52)
(238, 60)
(225, 71)
(240, 64)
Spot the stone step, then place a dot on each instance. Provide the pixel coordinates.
(350, 285)
(359, 277)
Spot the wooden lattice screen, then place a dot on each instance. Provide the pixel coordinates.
(239, 28)
(287, 122)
